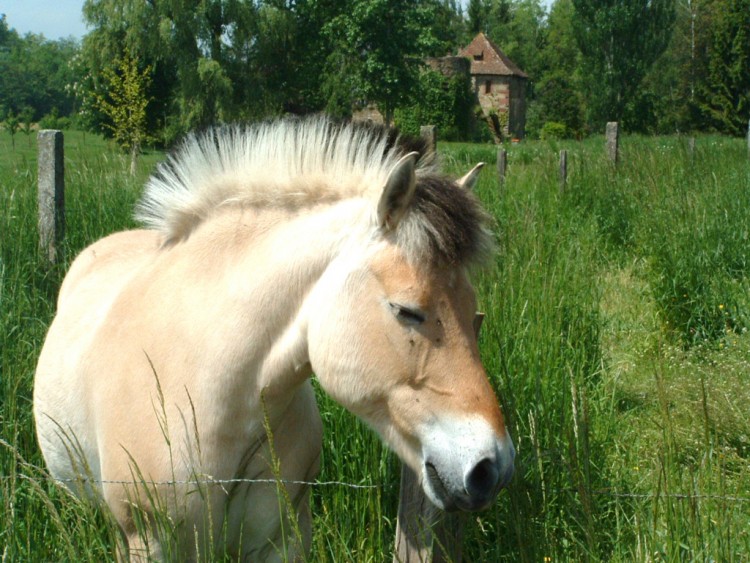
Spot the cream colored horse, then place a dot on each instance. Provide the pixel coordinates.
(274, 252)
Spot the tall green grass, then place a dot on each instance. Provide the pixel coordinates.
(615, 337)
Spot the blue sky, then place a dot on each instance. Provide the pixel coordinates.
(53, 18)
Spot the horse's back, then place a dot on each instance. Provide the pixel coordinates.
(62, 405)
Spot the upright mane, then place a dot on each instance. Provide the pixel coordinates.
(300, 162)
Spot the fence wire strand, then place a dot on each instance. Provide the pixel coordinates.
(208, 481)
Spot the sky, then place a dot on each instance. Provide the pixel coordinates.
(54, 19)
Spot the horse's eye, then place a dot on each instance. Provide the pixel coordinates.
(407, 316)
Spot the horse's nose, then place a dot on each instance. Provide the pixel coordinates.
(481, 480)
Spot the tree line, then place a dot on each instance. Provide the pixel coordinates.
(657, 66)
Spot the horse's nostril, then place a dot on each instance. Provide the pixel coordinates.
(482, 479)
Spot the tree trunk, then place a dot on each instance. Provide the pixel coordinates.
(134, 150)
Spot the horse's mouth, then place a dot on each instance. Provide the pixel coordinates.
(439, 489)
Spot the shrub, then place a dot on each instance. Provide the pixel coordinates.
(553, 130)
(443, 101)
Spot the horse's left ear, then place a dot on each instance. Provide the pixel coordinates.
(398, 191)
(469, 181)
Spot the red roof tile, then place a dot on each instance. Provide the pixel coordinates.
(487, 58)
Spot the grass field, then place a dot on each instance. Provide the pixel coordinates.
(616, 337)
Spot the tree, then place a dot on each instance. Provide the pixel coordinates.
(125, 102)
(26, 122)
(518, 28)
(477, 14)
(34, 72)
(725, 97)
(444, 101)
(558, 83)
(619, 41)
(376, 39)
(674, 78)
(11, 124)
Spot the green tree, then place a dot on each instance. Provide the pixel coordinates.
(557, 88)
(125, 102)
(725, 97)
(477, 13)
(672, 81)
(26, 122)
(619, 41)
(376, 49)
(11, 124)
(444, 101)
(518, 28)
(34, 72)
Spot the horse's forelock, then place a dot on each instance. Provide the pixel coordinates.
(445, 224)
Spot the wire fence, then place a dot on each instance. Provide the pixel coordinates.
(344, 484)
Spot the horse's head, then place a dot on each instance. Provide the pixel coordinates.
(393, 339)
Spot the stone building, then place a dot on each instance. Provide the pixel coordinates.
(499, 84)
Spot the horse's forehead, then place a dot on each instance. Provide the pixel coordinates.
(397, 275)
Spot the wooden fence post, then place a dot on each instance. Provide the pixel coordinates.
(748, 138)
(613, 141)
(51, 195)
(502, 164)
(429, 134)
(563, 170)
(416, 517)
(691, 148)
(424, 533)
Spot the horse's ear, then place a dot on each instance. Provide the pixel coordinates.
(397, 192)
(469, 181)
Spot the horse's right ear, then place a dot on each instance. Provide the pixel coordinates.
(398, 192)
(469, 181)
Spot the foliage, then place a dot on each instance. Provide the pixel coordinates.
(124, 103)
(446, 102)
(619, 42)
(725, 96)
(34, 72)
(375, 39)
(589, 61)
(553, 130)
(12, 123)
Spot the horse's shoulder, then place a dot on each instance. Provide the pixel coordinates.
(113, 258)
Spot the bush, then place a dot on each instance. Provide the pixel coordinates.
(553, 130)
(49, 121)
(443, 101)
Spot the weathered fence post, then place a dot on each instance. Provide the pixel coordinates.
(425, 534)
(563, 170)
(416, 517)
(691, 148)
(429, 134)
(51, 196)
(748, 138)
(502, 164)
(613, 141)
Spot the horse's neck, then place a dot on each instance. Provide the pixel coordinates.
(273, 261)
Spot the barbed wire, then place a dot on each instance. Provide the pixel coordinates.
(679, 496)
(204, 481)
(208, 481)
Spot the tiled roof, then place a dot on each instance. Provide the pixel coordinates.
(487, 58)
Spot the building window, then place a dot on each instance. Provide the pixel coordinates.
(487, 86)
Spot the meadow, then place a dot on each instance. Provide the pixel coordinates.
(616, 338)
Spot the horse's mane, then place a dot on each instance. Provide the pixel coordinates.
(300, 162)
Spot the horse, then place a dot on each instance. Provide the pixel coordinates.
(174, 384)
